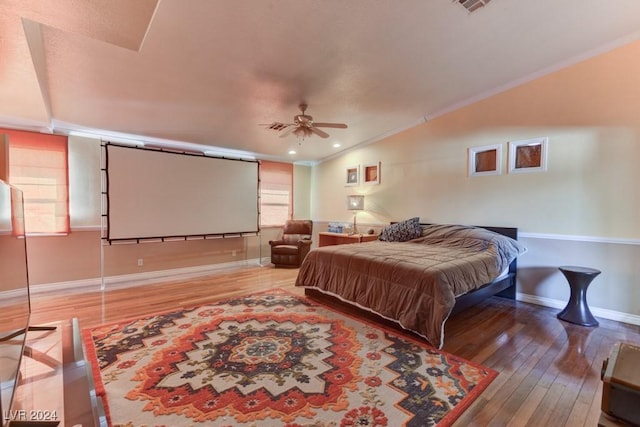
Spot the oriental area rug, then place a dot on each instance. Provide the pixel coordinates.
(274, 359)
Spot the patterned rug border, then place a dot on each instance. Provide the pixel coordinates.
(92, 356)
(446, 421)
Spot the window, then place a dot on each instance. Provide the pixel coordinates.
(38, 166)
(276, 188)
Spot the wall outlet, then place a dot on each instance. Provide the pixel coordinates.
(233, 252)
(140, 262)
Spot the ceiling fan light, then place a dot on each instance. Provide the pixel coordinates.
(302, 132)
(303, 126)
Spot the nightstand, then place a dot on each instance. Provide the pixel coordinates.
(328, 239)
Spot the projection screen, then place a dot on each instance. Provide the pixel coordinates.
(155, 194)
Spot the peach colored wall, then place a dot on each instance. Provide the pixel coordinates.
(53, 259)
(13, 272)
(122, 259)
(76, 257)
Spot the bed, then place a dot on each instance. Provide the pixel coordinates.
(418, 276)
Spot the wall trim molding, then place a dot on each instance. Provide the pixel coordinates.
(618, 316)
(577, 238)
(139, 279)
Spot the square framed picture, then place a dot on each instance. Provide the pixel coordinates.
(528, 155)
(352, 175)
(371, 173)
(485, 160)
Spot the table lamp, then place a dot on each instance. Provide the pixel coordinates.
(355, 203)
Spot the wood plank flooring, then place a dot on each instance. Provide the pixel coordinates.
(549, 369)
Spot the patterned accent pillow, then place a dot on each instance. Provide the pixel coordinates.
(402, 231)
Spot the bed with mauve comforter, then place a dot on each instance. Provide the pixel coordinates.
(414, 283)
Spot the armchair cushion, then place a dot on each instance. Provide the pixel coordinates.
(290, 242)
(287, 250)
(293, 239)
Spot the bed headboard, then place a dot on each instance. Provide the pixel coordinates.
(505, 231)
(509, 232)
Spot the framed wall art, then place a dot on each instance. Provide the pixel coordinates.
(371, 173)
(485, 160)
(528, 155)
(352, 176)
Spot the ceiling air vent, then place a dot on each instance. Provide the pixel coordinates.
(277, 127)
(473, 5)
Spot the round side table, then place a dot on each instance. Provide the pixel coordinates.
(577, 311)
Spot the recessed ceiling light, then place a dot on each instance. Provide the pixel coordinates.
(336, 145)
(292, 151)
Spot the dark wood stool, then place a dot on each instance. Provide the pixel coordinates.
(577, 311)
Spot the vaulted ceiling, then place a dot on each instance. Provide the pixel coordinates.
(207, 73)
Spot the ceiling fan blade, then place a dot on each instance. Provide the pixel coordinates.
(330, 125)
(288, 131)
(320, 133)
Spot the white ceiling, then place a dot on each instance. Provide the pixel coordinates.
(208, 72)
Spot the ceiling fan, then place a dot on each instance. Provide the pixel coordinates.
(303, 126)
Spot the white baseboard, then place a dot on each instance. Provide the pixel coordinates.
(598, 312)
(138, 279)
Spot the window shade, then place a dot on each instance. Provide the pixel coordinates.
(38, 165)
(276, 193)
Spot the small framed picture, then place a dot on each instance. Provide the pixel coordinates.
(352, 175)
(528, 155)
(485, 160)
(371, 173)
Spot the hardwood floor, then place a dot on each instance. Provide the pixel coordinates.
(549, 369)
